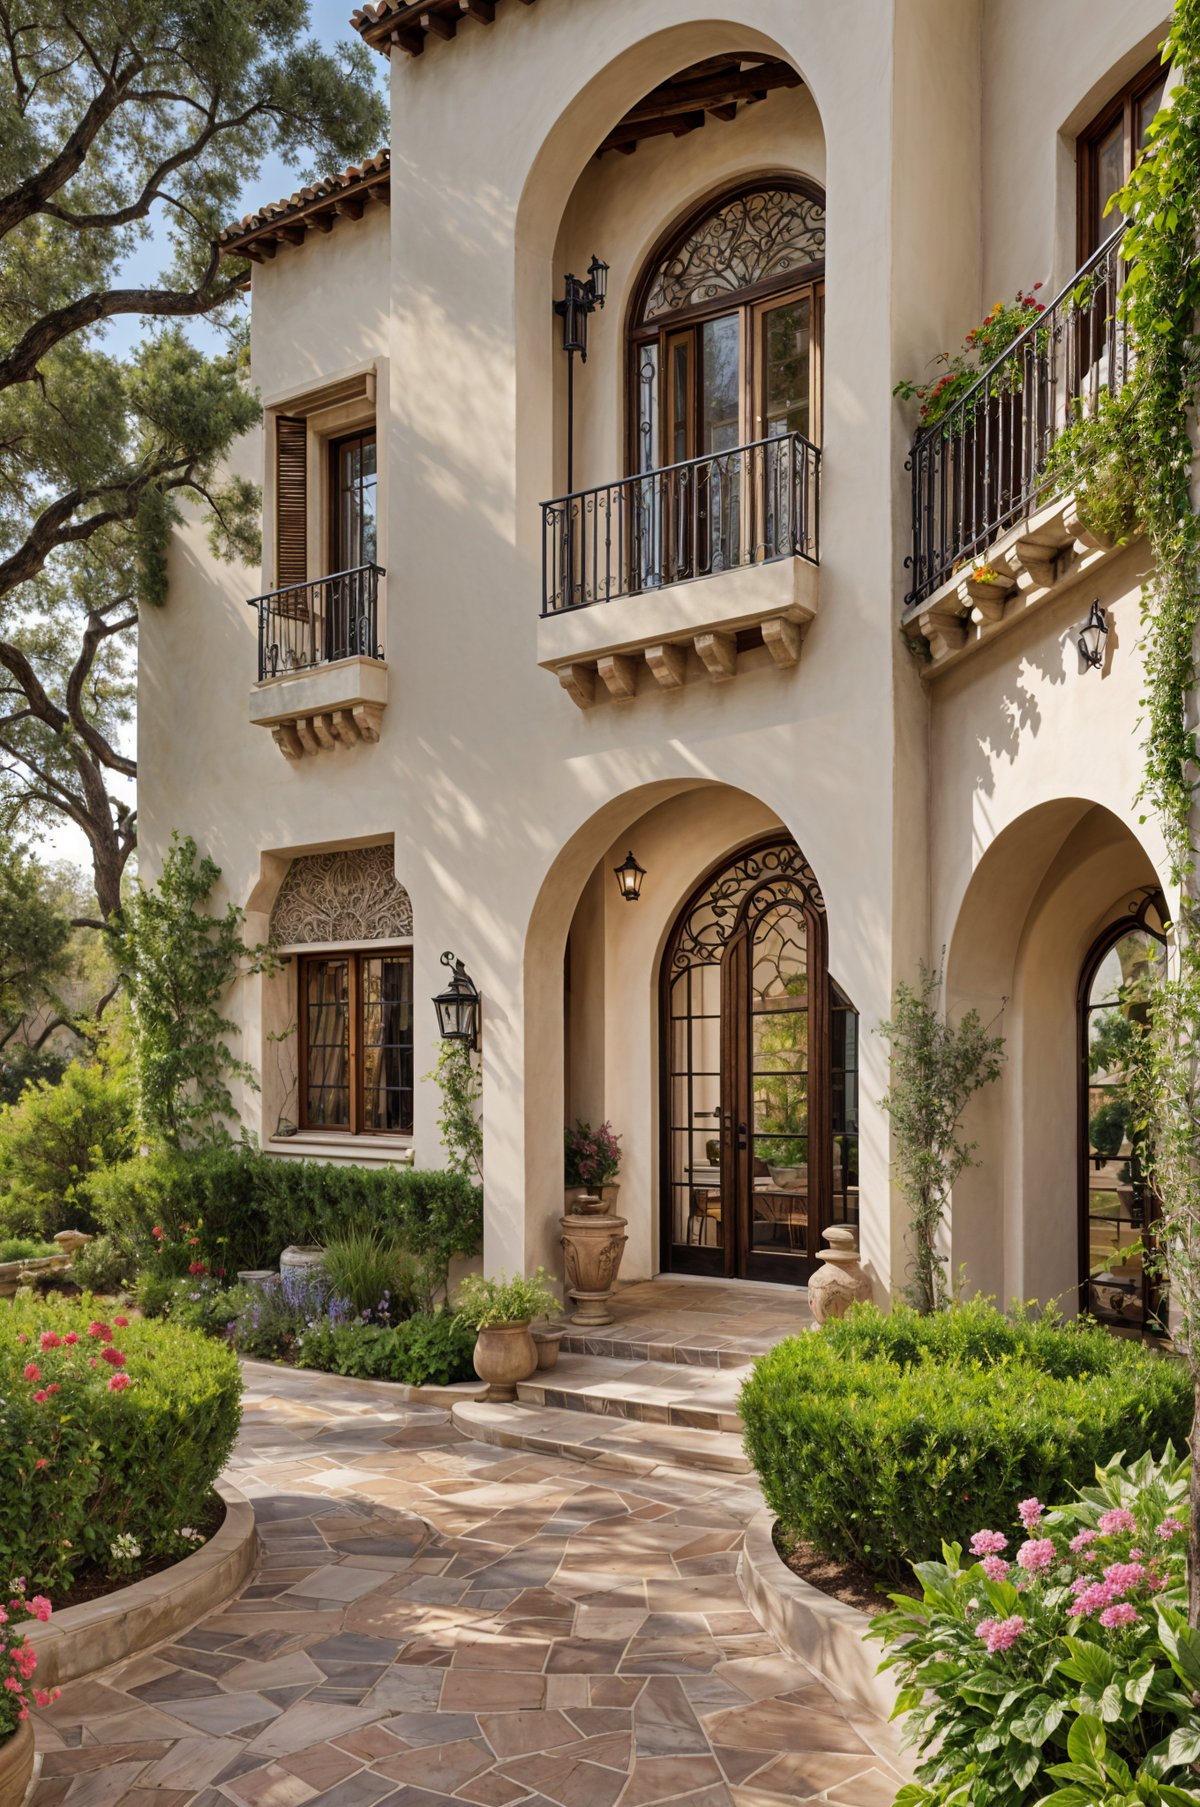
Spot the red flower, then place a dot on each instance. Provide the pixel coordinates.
(32, 1371)
(72, 1337)
(42, 1462)
(48, 1340)
(54, 1387)
(39, 1398)
(95, 1328)
(122, 1323)
(197, 1267)
(113, 1356)
(118, 1383)
(157, 1232)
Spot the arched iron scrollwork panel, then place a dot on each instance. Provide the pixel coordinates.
(777, 873)
(752, 238)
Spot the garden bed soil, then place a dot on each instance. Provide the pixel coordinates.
(844, 1581)
(94, 1582)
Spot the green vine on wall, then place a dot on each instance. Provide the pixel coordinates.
(1152, 440)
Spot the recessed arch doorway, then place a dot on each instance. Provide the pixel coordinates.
(759, 1085)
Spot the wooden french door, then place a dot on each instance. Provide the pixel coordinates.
(747, 1115)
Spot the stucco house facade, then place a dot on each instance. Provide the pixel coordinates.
(695, 597)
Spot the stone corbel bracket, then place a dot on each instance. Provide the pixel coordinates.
(616, 675)
(1035, 561)
(326, 709)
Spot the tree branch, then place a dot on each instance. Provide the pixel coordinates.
(31, 195)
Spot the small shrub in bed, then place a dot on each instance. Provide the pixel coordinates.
(879, 1437)
(26, 1248)
(109, 1430)
(431, 1349)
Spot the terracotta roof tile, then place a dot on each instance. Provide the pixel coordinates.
(320, 204)
(409, 23)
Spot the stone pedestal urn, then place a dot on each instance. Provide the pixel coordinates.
(839, 1282)
(593, 1241)
(504, 1355)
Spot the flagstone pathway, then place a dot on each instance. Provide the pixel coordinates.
(440, 1620)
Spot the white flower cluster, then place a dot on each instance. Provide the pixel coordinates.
(124, 1548)
(189, 1534)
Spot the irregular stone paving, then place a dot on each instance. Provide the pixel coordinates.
(435, 1620)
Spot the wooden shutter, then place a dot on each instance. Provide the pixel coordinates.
(291, 501)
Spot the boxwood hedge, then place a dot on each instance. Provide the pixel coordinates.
(879, 1436)
(108, 1428)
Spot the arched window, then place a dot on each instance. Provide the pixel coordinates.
(1117, 1209)
(725, 330)
(760, 1084)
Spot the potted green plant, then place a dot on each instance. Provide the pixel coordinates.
(500, 1309)
(1108, 1128)
(591, 1164)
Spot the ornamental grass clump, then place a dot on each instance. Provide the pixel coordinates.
(879, 1437)
(109, 1429)
(1055, 1664)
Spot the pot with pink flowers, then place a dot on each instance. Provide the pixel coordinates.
(18, 1695)
(592, 1161)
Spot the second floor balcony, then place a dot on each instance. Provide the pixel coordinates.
(620, 564)
(322, 679)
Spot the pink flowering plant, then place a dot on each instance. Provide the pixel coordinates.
(111, 1426)
(18, 1659)
(593, 1156)
(1053, 1663)
(957, 372)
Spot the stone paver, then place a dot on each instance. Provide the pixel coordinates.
(437, 1620)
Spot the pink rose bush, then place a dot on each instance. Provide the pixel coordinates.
(118, 1428)
(1069, 1676)
(18, 1659)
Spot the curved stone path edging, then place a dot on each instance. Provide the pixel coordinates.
(436, 1622)
(398, 1391)
(823, 1632)
(80, 1640)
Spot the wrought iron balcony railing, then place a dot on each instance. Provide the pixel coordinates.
(745, 506)
(983, 464)
(310, 624)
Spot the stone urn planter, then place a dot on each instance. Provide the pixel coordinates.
(301, 1256)
(593, 1241)
(547, 1339)
(16, 1765)
(839, 1282)
(505, 1354)
(607, 1194)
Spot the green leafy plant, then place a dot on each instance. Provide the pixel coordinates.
(457, 1078)
(26, 1248)
(1096, 459)
(130, 1447)
(591, 1157)
(1063, 1660)
(103, 1266)
(373, 1271)
(881, 1435)
(935, 1069)
(505, 1299)
(961, 370)
(1109, 1126)
(428, 1349)
(178, 961)
(57, 1136)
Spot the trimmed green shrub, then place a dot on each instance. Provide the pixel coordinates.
(246, 1207)
(126, 1449)
(103, 1266)
(56, 1137)
(877, 1438)
(430, 1349)
(26, 1248)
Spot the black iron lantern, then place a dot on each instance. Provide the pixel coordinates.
(629, 876)
(458, 1006)
(581, 297)
(1093, 636)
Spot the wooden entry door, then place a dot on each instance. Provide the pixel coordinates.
(746, 1102)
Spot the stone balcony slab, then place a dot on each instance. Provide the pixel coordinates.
(322, 707)
(682, 633)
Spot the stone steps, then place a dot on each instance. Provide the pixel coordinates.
(609, 1441)
(661, 1393)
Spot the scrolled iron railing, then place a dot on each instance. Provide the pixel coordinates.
(982, 465)
(745, 506)
(309, 624)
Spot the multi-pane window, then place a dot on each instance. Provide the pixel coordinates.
(1108, 150)
(356, 1027)
(354, 501)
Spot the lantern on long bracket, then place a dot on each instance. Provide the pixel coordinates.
(1093, 637)
(629, 876)
(458, 1006)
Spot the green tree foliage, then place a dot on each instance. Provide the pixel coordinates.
(178, 961)
(34, 937)
(935, 1069)
(123, 127)
(58, 1134)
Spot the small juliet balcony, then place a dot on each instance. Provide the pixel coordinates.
(322, 678)
(621, 602)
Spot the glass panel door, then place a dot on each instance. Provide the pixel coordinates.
(387, 1041)
(779, 1064)
(718, 480)
(693, 1116)
(787, 401)
(327, 1044)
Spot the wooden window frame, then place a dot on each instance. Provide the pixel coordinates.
(333, 451)
(1122, 107)
(355, 958)
(745, 303)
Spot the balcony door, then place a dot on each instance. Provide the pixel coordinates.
(760, 1131)
(724, 357)
(349, 626)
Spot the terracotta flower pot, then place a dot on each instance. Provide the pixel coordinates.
(16, 1765)
(505, 1354)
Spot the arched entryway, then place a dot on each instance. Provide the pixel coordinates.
(1117, 1209)
(759, 1092)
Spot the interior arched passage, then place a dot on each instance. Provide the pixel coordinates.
(1032, 911)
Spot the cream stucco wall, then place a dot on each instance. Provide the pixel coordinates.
(937, 141)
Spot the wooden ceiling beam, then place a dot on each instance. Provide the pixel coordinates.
(483, 10)
(682, 95)
(442, 25)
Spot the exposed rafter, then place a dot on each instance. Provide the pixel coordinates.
(407, 25)
(715, 89)
(317, 208)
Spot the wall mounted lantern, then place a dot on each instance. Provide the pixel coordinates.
(458, 1006)
(1093, 636)
(629, 876)
(581, 297)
